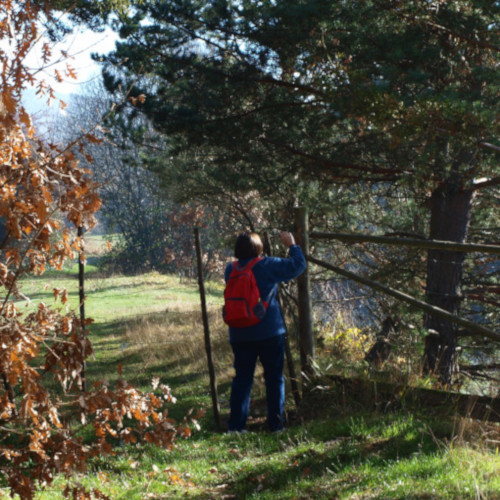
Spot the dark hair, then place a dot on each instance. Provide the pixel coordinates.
(248, 245)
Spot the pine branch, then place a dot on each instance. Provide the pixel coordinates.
(329, 163)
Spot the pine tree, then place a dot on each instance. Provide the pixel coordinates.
(283, 95)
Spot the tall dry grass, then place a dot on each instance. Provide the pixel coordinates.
(176, 338)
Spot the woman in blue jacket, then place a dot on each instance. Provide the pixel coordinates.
(265, 340)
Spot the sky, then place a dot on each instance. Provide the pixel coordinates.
(79, 47)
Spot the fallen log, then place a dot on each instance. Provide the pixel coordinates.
(383, 395)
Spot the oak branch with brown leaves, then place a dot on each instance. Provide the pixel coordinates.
(40, 185)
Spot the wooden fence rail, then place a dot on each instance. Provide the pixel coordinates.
(487, 408)
(469, 325)
(305, 314)
(449, 246)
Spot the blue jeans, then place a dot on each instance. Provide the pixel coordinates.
(271, 353)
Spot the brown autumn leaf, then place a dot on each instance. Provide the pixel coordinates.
(35, 176)
(306, 472)
(70, 71)
(93, 139)
(8, 101)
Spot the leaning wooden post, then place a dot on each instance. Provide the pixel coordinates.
(306, 339)
(208, 344)
(289, 361)
(81, 289)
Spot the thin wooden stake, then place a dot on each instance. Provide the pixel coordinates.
(208, 343)
(81, 289)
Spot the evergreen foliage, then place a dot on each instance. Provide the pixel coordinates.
(294, 100)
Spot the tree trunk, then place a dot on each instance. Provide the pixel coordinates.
(450, 215)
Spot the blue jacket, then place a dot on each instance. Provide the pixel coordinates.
(268, 273)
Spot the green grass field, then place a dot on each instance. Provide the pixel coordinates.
(151, 324)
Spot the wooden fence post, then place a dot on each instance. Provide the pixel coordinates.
(208, 344)
(81, 289)
(306, 339)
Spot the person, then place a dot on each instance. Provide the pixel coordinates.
(265, 340)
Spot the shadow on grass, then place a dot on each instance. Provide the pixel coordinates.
(91, 289)
(71, 272)
(336, 464)
(161, 357)
(97, 275)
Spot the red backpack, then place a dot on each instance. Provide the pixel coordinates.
(243, 305)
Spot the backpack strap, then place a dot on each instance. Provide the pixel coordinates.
(270, 294)
(253, 262)
(273, 289)
(249, 265)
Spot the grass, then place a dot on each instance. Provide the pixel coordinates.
(371, 456)
(152, 325)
